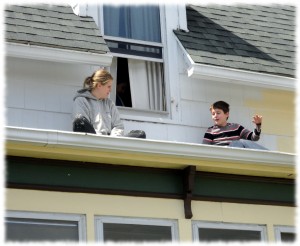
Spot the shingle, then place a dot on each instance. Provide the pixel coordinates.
(254, 37)
(52, 26)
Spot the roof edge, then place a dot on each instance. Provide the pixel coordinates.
(147, 152)
(235, 76)
(57, 55)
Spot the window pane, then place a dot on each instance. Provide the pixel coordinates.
(133, 22)
(18, 229)
(287, 237)
(136, 233)
(207, 234)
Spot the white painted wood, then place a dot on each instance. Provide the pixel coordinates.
(65, 139)
(57, 55)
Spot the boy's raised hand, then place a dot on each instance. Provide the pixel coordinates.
(257, 119)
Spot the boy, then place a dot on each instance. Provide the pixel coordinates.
(231, 134)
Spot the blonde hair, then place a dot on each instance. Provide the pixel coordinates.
(100, 76)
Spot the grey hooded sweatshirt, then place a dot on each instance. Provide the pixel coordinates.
(102, 113)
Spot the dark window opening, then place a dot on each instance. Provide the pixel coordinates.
(228, 235)
(123, 93)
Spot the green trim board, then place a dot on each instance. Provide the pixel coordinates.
(33, 173)
(106, 177)
(229, 187)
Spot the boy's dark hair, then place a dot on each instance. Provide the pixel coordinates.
(220, 105)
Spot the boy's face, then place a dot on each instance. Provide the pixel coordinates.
(219, 117)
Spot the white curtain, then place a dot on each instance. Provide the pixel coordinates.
(146, 84)
(113, 72)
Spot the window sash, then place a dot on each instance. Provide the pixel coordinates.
(138, 50)
(50, 220)
(283, 229)
(227, 226)
(100, 221)
(139, 32)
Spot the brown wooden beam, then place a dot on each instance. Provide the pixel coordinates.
(188, 186)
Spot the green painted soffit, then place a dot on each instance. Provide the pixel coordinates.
(97, 178)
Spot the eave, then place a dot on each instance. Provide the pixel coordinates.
(57, 55)
(64, 145)
(235, 76)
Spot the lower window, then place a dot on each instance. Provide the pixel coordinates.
(285, 233)
(228, 232)
(44, 227)
(120, 229)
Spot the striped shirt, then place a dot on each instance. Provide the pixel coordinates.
(224, 135)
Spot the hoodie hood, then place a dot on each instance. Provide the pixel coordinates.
(84, 93)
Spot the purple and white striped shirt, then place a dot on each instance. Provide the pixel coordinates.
(224, 135)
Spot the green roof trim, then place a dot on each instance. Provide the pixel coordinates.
(71, 176)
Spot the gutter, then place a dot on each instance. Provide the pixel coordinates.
(147, 152)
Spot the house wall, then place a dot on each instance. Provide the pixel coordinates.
(92, 205)
(39, 95)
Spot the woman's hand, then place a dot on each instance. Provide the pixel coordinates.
(257, 119)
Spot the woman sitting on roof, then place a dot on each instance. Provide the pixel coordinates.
(94, 112)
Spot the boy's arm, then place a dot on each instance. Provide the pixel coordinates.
(255, 134)
(257, 120)
(207, 139)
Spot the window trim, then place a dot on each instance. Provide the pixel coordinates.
(80, 218)
(100, 220)
(278, 229)
(224, 225)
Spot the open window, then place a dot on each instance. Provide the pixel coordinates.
(133, 35)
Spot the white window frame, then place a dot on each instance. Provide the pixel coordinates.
(196, 225)
(100, 220)
(278, 229)
(80, 218)
(143, 114)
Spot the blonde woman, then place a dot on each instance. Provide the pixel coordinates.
(93, 111)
